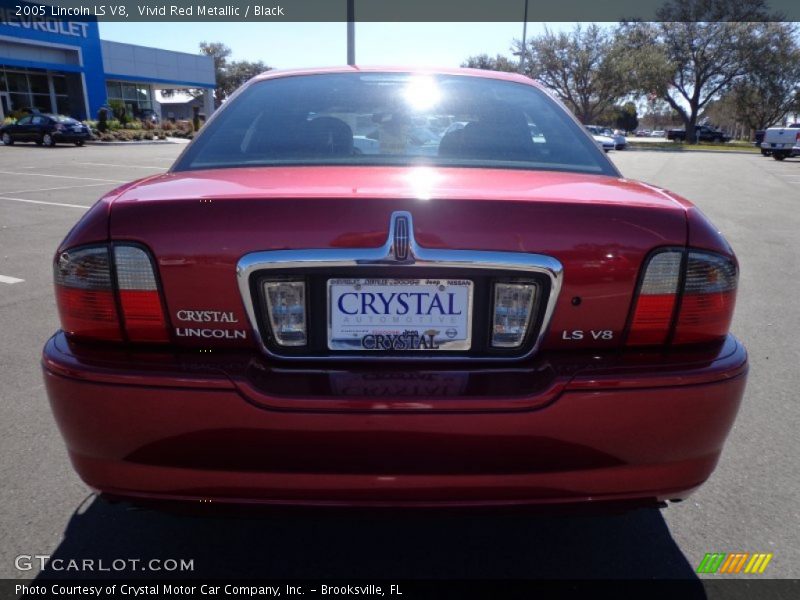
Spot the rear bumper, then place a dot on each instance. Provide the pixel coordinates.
(71, 137)
(631, 429)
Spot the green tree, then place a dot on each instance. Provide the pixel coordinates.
(577, 67)
(229, 75)
(626, 117)
(697, 51)
(769, 89)
(486, 62)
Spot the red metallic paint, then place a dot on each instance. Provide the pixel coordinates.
(583, 421)
(638, 426)
(580, 220)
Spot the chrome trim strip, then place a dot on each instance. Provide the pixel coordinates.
(385, 256)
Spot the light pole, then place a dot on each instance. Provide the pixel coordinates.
(524, 36)
(351, 32)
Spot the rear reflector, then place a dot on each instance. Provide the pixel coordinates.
(708, 299)
(286, 306)
(85, 295)
(656, 302)
(139, 298)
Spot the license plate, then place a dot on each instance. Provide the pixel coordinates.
(399, 315)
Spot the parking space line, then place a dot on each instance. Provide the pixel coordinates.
(124, 166)
(64, 177)
(28, 201)
(10, 280)
(53, 189)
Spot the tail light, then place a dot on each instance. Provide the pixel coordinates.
(709, 294)
(85, 294)
(513, 306)
(109, 293)
(139, 299)
(684, 297)
(286, 305)
(655, 305)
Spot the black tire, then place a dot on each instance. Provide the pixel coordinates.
(717, 140)
(48, 140)
(79, 143)
(779, 155)
(765, 152)
(8, 140)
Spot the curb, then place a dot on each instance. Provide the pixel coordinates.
(138, 142)
(681, 151)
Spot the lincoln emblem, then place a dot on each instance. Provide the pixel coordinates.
(401, 238)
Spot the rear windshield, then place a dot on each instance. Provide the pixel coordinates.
(394, 119)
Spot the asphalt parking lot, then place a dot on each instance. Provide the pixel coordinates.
(749, 505)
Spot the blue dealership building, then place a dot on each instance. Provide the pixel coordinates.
(64, 67)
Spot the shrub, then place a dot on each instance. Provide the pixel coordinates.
(120, 112)
(9, 121)
(184, 126)
(136, 125)
(102, 120)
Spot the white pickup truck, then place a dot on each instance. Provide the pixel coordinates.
(782, 142)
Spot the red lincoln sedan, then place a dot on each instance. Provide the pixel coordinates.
(374, 287)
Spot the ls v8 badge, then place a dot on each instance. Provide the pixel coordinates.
(580, 334)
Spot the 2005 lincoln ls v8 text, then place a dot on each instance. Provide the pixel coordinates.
(377, 287)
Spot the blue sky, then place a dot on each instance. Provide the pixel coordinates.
(291, 45)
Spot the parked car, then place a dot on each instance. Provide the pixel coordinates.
(659, 133)
(606, 142)
(620, 141)
(45, 129)
(759, 137)
(419, 141)
(148, 115)
(704, 133)
(643, 133)
(279, 319)
(781, 142)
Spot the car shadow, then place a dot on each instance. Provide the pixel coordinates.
(376, 544)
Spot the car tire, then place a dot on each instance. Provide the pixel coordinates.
(8, 140)
(48, 140)
(779, 155)
(79, 143)
(765, 152)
